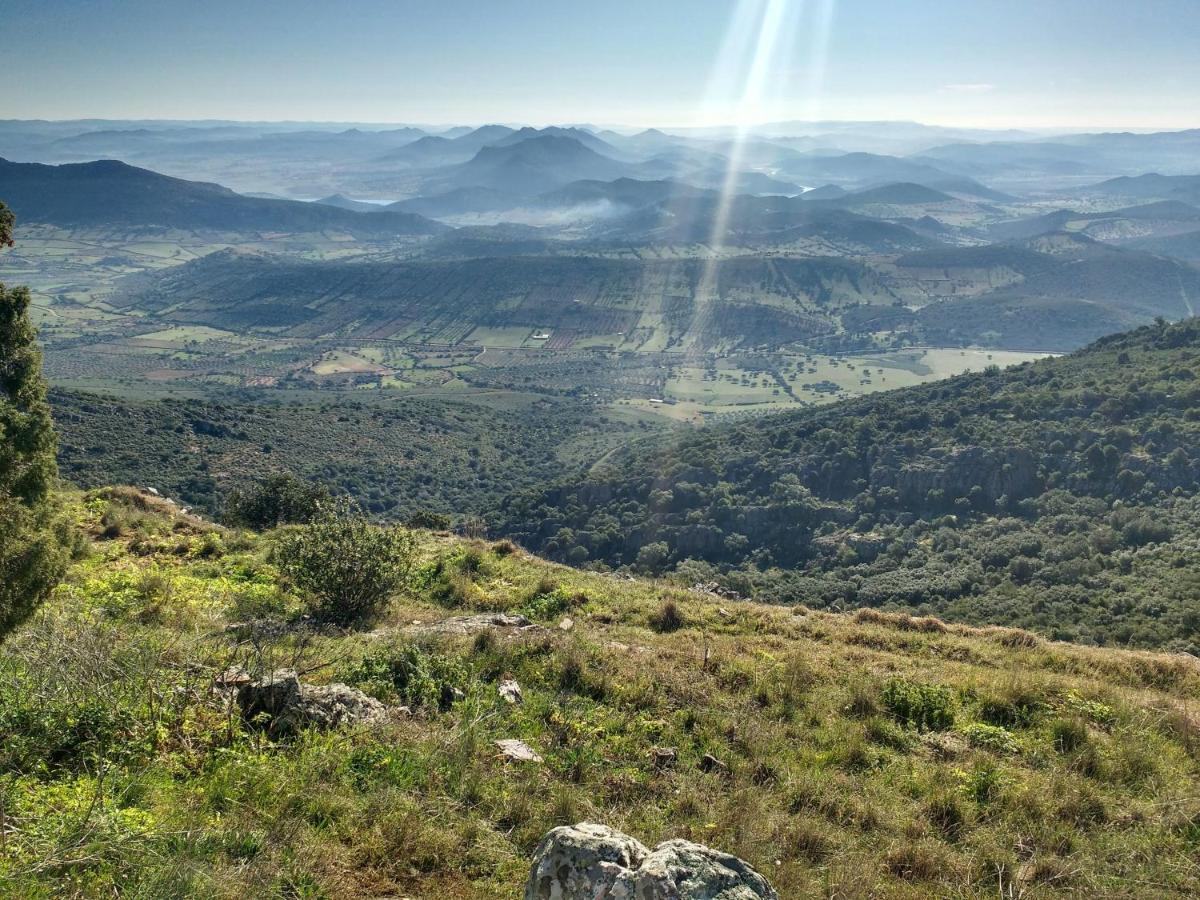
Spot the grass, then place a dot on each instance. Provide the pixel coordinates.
(867, 756)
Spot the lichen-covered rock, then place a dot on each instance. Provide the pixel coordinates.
(681, 870)
(283, 704)
(584, 862)
(594, 862)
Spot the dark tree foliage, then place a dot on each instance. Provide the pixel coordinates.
(348, 567)
(279, 499)
(31, 542)
(6, 226)
(1062, 495)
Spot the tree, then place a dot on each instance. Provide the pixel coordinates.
(280, 499)
(349, 567)
(32, 534)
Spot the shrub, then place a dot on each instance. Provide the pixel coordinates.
(929, 707)
(276, 500)
(430, 521)
(349, 567)
(667, 618)
(420, 677)
(991, 737)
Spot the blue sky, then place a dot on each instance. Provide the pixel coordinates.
(1049, 63)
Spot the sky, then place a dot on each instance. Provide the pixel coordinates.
(977, 63)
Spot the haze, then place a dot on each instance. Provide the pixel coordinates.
(1069, 64)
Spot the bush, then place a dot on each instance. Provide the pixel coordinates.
(347, 566)
(929, 707)
(276, 500)
(419, 677)
(668, 618)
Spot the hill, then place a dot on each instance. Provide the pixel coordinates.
(108, 193)
(871, 756)
(1055, 292)
(1060, 495)
(532, 165)
(759, 302)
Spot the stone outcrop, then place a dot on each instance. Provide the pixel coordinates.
(594, 862)
(284, 704)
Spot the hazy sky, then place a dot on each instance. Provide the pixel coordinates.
(1079, 63)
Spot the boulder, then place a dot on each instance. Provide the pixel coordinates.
(594, 862)
(681, 870)
(517, 751)
(284, 704)
(584, 862)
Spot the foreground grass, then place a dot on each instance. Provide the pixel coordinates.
(867, 756)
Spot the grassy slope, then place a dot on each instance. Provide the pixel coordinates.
(122, 772)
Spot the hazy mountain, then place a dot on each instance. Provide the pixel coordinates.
(343, 202)
(443, 150)
(110, 193)
(1157, 218)
(458, 202)
(1185, 188)
(530, 166)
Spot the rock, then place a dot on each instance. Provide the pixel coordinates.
(517, 751)
(681, 870)
(709, 763)
(473, 624)
(664, 757)
(511, 691)
(583, 862)
(285, 704)
(594, 862)
(232, 679)
(566, 624)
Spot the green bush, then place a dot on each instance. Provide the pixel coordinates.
(929, 707)
(419, 677)
(276, 500)
(348, 567)
(991, 737)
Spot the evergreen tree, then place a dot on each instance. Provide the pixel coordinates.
(32, 535)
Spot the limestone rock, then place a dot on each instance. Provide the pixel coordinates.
(285, 704)
(594, 862)
(584, 862)
(517, 751)
(681, 870)
(511, 691)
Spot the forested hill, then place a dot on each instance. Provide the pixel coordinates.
(1059, 495)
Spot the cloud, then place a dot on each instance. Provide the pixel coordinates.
(983, 88)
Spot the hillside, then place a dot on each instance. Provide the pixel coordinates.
(1060, 495)
(761, 301)
(396, 458)
(108, 193)
(870, 756)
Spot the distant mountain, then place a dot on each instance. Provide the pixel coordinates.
(902, 194)
(589, 140)
(1185, 188)
(457, 202)
(1156, 218)
(443, 150)
(343, 202)
(531, 166)
(110, 193)
(857, 171)
(826, 192)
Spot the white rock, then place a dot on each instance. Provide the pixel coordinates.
(517, 751)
